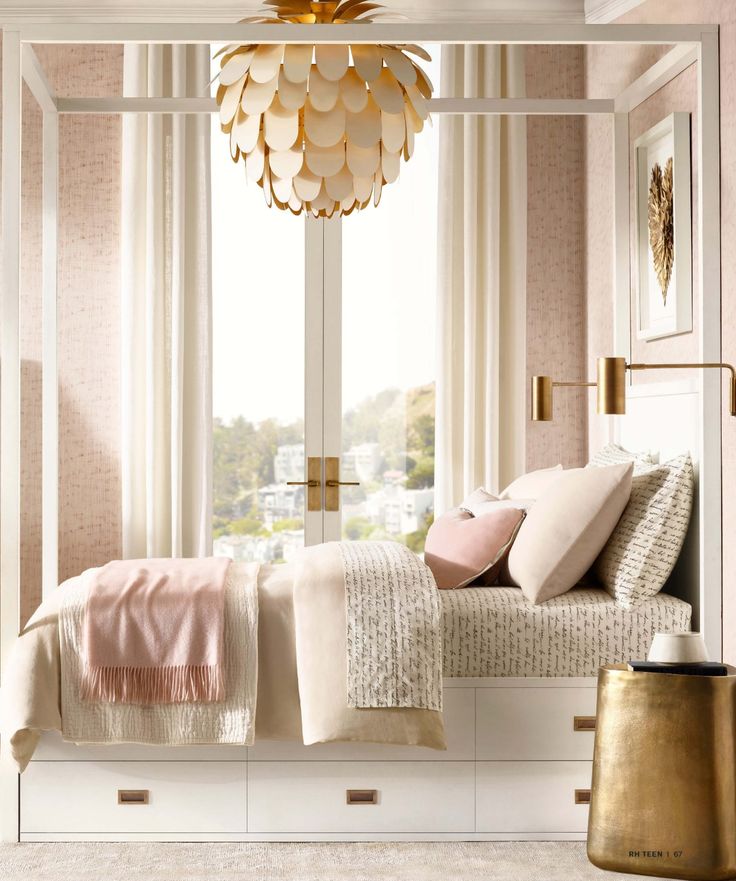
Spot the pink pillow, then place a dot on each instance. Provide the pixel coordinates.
(460, 548)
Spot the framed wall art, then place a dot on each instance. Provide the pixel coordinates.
(664, 229)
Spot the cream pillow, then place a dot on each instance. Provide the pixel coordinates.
(531, 485)
(643, 549)
(566, 529)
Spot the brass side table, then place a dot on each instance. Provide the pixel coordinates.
(663, 799)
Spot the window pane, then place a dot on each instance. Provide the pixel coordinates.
(388, 290)
(258, 335)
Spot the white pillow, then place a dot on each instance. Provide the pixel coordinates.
(531, 485)
(614, 454)
(566, 529)
(481, 502)
(643, 549)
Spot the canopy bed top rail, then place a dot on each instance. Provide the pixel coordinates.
(457, 106)
(400, 32)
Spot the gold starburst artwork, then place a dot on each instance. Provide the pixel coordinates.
(661, 218)
(322, 128)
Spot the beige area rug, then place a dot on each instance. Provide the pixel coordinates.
(447, 861)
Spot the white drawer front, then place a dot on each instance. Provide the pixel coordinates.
(52, 748)
(459, 714)
(533, 723)
(73, 797)
(531, 796)
(310, 797)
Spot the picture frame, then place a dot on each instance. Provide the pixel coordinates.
(664, 229)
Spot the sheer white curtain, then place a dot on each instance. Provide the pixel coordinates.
(481, 321)
(166, 310)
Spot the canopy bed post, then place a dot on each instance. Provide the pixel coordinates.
(50, 391)
(10, 393)
(621, 237)
(709, 241)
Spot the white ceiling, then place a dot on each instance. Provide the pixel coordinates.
(559, 11)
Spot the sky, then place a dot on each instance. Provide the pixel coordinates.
(388, 288)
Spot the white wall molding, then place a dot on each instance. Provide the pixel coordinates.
(20, 11)
(602, 11)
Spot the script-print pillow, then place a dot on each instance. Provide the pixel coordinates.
(614, 454)
(643, 548)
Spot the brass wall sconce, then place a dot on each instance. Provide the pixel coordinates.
(542, 396)
(611, 386)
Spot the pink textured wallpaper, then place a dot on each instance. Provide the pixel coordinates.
(556, 324)
(88, 315)
(605, 68)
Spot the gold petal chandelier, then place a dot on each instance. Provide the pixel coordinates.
(322, 128)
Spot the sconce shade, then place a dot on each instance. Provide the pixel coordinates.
(542, 398)
(611, 386)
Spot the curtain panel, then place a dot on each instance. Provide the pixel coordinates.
(166, 310)
(481, 282)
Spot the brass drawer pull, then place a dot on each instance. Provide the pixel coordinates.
(132, 796)
(361, 796)
(583, 723)
(582, 796)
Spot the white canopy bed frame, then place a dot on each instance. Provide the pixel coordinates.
(519, 758)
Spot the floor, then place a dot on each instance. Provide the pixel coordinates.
(453, 861)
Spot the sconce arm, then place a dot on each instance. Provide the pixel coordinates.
(715, 365)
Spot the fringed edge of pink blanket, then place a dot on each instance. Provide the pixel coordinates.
(153, 685)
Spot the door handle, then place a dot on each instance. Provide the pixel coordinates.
(313, 483)
(333, 483)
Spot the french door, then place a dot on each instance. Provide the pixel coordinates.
(323, 368)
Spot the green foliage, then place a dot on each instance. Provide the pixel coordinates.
(357, 528)
(422, 475)
(288, 523)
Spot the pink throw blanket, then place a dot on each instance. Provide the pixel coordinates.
(153, 631)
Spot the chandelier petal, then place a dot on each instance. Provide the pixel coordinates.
(332, 60)
(363, 187)
(387, 92)
(364, 128)
(324, 161)
(297, 62)
(282, 188)
(399, 65)
(229, 103)
(287, 163)
(255, 160)
(247, 129)
(390, 165)
(291, 95)
(424, 83)
(416, 50)
(353, 92)
(266, 62)
(340, 185)
(257, 96)
(324, 129)
(418, 101)
(363, 161)
(280, 126)
(323, 93)
(307, 185)
(236, 67)
(393, 131)
(367, 60)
